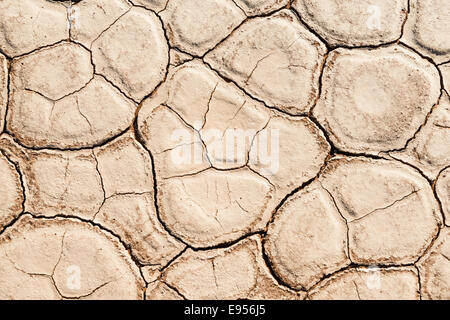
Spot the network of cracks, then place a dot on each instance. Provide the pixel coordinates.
(98, 98)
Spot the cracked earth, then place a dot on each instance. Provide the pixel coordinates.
(117, 180)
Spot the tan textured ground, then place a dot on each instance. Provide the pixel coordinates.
(117, 176)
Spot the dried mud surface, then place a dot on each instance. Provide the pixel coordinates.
(119, 180)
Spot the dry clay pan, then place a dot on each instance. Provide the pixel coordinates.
(225, 149)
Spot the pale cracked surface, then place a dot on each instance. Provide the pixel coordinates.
(97, 15)
(427, 149)
(194, 32)
(443, 192)
(237, 272)
(53, 246)
(155, 5)
(213, 207)
(57, 101)
(307, 239)
(375, 100)
(275, 59)
(445, 70)
(224, 149)
(355, 22)
(11, 196)
(426, 29)
(433, 268)
(134, 64)
(381, 197)
(30, 24)
(260, 7)
(218, 199)
(3, 89)
(370, 284)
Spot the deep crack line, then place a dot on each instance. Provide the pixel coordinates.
(229, 80)
(419, 282)
(388, 206)
(102, 143)
(342, 216)
(141, 141)
(21, 180)
(8, 93)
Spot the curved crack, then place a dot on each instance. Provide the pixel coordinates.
(388, 206)
(134, 127)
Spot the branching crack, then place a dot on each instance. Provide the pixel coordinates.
(84, 116)
(101, 184)
(343, 217)
(174, 289)
(357, 290)
(208, 105)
